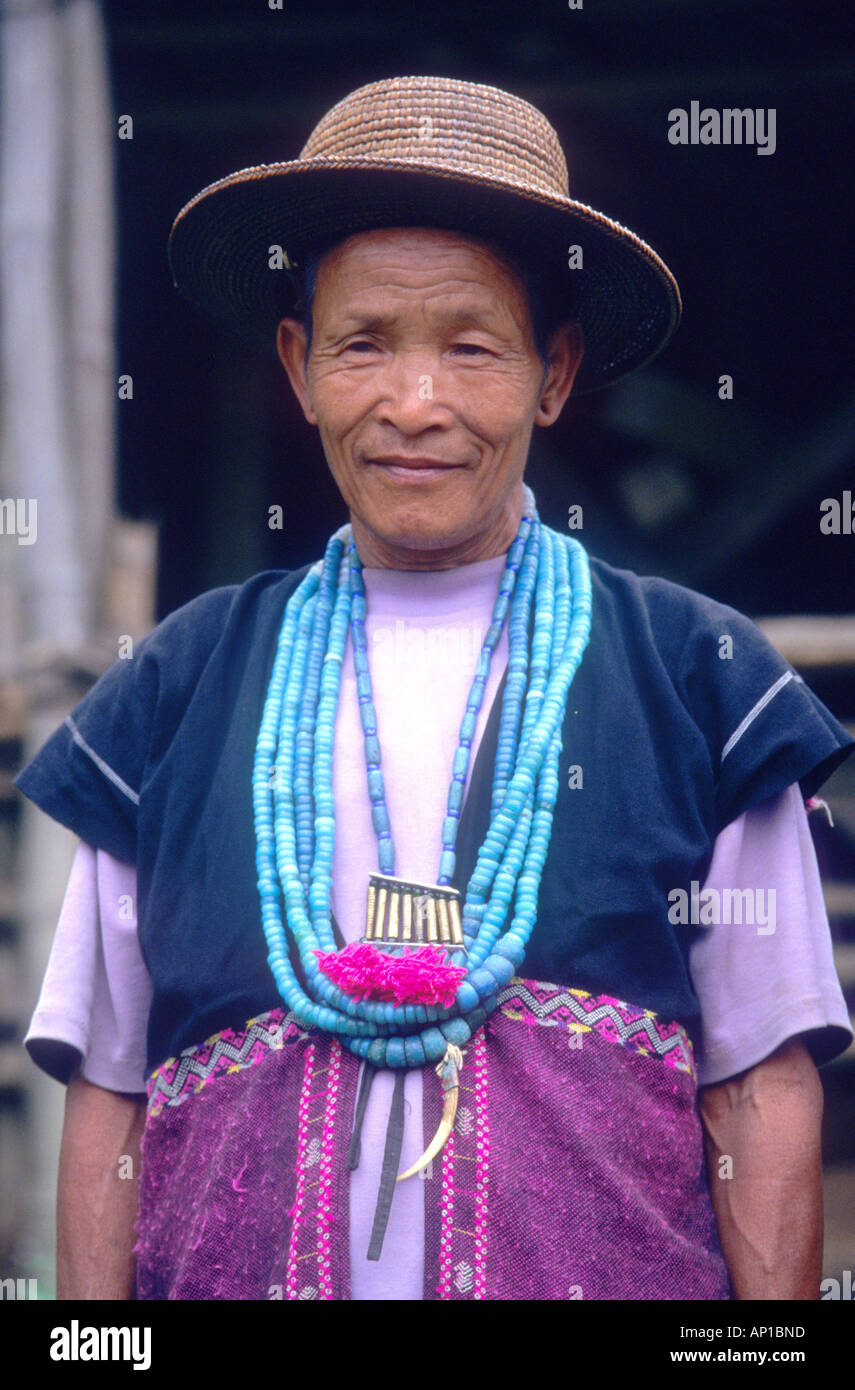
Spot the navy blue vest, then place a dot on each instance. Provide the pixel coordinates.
(671, 730)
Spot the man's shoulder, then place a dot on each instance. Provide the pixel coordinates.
(216, 605)
(672, 615)
(661, 597)
(215, 615)
(656, 634)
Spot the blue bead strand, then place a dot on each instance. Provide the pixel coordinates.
(376, 786)
(304, 758)
(320, 887)
(302, 699)
(516, 554)
(517, 677)
(368, 716)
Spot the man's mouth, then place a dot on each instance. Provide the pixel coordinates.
(412, 469)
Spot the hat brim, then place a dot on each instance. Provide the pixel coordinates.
(624, 296)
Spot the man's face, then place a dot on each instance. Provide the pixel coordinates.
(424, 382)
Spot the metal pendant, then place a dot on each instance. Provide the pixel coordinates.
(448, 1072)
(400, 913)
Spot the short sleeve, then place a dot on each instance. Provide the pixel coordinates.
(763, 969)
(90, 773)
(764, 727)
(96, 993)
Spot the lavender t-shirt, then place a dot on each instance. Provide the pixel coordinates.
(424, 633)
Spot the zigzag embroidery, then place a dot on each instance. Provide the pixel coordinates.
(228, 1051)
(603, 1014)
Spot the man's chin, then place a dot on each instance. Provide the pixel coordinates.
(423, 533)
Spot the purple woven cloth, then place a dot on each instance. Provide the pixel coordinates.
(575, 1170)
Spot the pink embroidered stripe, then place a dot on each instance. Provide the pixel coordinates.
(325, 1180)
(482, 1163)
(446, 1237)
(292, 1290)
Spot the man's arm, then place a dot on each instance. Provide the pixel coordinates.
(769, 1211)
(98, 1192)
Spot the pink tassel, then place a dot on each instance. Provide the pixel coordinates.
(416, 977)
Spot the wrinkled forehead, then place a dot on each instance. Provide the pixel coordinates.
(416, 255)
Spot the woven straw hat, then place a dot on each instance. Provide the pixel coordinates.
(427, 152)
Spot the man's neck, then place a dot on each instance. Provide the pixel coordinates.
(377, 553)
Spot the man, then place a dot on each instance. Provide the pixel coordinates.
(276, 758)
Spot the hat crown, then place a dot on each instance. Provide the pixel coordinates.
(426, 152)
(443, 123)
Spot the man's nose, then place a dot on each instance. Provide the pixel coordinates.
(409, 397)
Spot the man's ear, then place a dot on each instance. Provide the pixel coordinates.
(291, 346)
(566, 349)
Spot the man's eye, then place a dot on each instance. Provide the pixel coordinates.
(470, 349)
(360, 345)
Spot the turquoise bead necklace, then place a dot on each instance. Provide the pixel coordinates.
(293, 789)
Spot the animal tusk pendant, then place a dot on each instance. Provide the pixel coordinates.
(448, 1072)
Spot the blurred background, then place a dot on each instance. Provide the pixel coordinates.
(154, 443)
